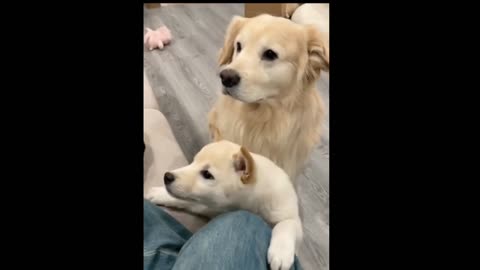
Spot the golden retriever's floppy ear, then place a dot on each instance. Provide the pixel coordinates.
(226, 53)
(244, 165)
(318, 58)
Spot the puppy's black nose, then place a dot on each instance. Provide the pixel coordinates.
(168, 178)
(229, 77)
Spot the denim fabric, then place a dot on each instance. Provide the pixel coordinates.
(233, 241)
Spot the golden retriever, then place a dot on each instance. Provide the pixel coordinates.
(225, 176)
(270, 105)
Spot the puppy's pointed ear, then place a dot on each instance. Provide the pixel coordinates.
(244, 165)
(318, 55)
(226, 53)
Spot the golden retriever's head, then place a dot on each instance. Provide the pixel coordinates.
(268, 57)
(215, 176)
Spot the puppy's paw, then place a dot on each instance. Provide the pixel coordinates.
(280, 257)
(158, 195)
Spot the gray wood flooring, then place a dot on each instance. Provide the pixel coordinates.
(184, 80)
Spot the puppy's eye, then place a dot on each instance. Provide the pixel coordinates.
(239, 47)
(269, 55)
(206, 174)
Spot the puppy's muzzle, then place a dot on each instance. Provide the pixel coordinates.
(168, 178)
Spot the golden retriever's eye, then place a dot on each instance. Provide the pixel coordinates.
(269, 55)
(239, 47)
(206, 174)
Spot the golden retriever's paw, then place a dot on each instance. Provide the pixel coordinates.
(280, 257)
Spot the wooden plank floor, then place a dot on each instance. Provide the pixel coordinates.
(185, 82)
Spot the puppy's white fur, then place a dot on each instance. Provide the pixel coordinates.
(275, 109)
(240, 180)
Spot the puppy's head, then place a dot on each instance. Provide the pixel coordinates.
(218, 172)
(266, 57)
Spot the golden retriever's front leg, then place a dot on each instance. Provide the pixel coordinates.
(214, 132)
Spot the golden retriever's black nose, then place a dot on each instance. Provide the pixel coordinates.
(168, 178)
(229, 77)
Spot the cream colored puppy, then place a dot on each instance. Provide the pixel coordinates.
(269, 67)
(225, 176)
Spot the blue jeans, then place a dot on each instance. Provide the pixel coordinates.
(232, 241)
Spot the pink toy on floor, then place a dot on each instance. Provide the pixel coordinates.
(158, 38)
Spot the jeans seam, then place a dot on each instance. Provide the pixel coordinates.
(178, 234)
(160, 250)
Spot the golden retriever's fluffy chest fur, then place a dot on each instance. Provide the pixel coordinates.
(284, 134)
